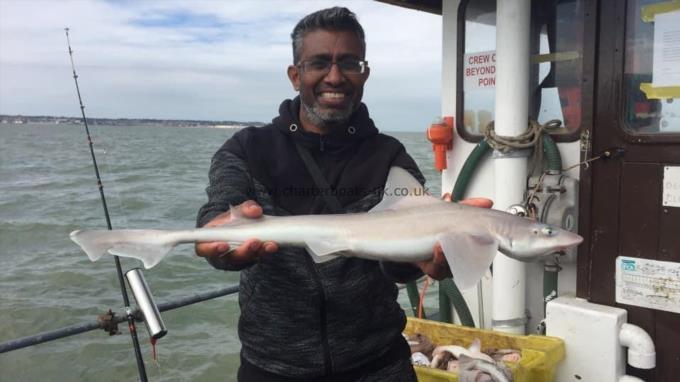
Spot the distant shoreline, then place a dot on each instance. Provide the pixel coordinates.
(19, 120)
(52, 120)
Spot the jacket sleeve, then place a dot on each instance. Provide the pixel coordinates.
(404, 272)
(230, 184)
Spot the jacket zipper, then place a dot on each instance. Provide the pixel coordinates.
(320, 143)
(328, 367)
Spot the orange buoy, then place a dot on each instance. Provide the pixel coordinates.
(441, 136)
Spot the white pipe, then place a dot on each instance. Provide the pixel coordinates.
(511, 119)
(641, 352)
(449, 78)
(630, 378)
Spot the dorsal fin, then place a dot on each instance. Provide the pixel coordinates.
(402, 190)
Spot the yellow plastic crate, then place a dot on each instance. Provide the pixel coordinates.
(540, 354)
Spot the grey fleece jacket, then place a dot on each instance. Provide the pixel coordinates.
(298, 318)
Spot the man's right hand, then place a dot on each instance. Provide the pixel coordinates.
(247, 252)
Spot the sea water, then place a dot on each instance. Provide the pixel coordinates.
(153, 177)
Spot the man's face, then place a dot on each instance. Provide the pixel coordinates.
(328, 99)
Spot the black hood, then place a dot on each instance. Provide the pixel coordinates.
(359, 127)
(355, 161)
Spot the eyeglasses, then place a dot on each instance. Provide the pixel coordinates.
(348, 66)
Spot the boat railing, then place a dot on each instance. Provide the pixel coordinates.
(109, 321)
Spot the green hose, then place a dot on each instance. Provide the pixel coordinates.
(550, 271)
(453, 293)
(414, 297)
(552, 155)
(445, 305)
(468, 170)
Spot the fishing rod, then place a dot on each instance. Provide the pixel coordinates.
(126, 301)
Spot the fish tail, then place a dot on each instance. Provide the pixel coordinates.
(148, 246)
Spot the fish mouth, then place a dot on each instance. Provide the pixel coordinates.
(576, 239)
(573, 241)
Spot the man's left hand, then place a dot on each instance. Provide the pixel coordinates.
(437, 267)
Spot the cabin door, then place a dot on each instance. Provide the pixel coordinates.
(630, 203)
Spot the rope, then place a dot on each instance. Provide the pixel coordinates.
(531, 209)
(532, 137)
(505, 144)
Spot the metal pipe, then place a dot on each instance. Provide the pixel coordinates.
(511, 119)
(72, 330)
(145, 303)
(450, 78)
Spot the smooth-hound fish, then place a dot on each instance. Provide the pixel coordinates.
(399, 228)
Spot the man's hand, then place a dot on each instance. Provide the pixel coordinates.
(437, 267)
(247, 252)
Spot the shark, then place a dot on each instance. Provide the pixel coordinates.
(403, 227)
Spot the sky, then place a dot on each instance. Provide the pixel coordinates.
(202, 60)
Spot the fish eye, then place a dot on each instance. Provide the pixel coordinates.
(548, 231)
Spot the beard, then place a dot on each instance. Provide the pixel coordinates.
(326, 118)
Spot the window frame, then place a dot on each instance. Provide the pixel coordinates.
(618, 74)
(586, 83)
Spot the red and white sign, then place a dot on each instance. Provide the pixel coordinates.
(479, 70)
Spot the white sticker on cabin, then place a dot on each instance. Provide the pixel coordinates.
(479, 70)
(648, 283)
(671, 186)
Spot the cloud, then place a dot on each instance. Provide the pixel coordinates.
(178, 19)
(202, 59)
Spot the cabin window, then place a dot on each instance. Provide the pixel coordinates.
(652, 68)
(556, 65)
(478, 68)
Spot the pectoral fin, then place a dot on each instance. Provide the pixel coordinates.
(323, 250)
(469, 256)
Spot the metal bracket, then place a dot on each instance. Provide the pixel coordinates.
(107, 322)
(613, 152)
(518, 210)
(585, 142)
(511, 323)
(517, 153)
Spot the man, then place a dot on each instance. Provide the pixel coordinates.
(336, 321)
